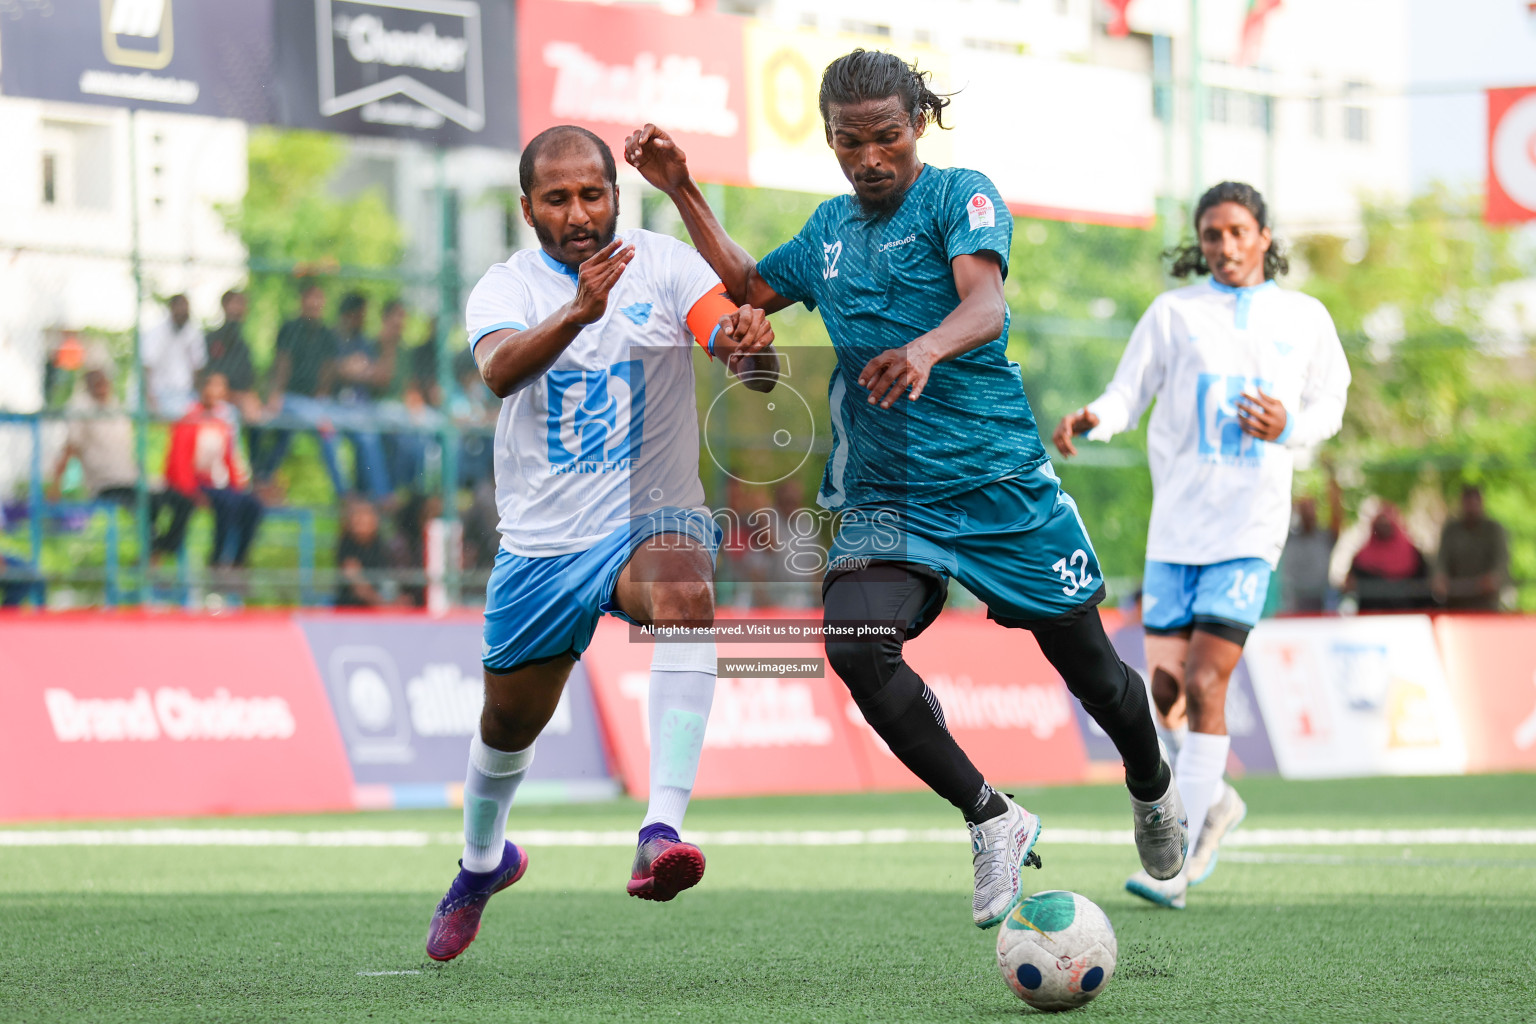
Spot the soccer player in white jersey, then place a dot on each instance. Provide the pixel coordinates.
(1245, 373)
(588, 342)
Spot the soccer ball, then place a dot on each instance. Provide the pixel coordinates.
(1056, 950)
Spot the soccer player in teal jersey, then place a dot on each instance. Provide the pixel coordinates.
(936, 470)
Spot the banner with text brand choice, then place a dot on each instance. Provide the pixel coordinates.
(109, 718)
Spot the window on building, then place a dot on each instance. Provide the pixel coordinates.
(1357, 119)
(1319, 117)
(1217, 102)
(77, 165)
(867, 28)
(50, 179)
(1261, 112)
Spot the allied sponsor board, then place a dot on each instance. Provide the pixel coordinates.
(407, 695)
(1251, 751)
(177, 55)
(612, 69)
(763, 735)
(1355, 697)
(434, 70)
(1491, 664)
(174, 716)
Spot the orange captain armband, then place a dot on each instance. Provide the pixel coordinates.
(704, 317)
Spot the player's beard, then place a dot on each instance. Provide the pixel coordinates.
(548, 241)
(876, 207)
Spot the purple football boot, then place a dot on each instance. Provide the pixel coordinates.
(457, 919)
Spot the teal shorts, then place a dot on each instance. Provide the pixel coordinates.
(1017, 543)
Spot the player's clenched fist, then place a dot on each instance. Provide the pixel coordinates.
(596, 278)
(1072, 424)
(657, 157)
(745, 341)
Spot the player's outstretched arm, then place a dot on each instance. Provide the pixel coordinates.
(511, 359)
(977, 320)
(661, 162)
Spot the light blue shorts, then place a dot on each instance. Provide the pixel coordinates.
(1227, 596)
(541, 608)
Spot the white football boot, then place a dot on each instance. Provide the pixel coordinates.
(1168, 893)
(1226, 813)
(1162, 832)
(1001, 847)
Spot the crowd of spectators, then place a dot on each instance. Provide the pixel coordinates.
(1469, 570)
(351, 388)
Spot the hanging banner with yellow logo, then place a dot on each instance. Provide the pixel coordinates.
(786, 142)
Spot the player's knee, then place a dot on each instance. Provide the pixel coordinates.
(683, 602)
(1205, 688)
(505, 727)
(864, 667)
(1165, 690)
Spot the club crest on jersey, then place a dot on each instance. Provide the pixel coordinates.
(981, 211)
(596, 418)
(640, 312)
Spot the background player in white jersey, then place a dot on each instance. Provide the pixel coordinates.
(587, 342)
(1244, 374)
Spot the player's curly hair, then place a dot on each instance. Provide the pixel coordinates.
(874, 75)
(1188, 259)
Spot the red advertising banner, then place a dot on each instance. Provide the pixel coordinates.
(610, 69)
(1490, 662)
(1511, 156)
(124, 717)
(764, 735)
(1002, 701)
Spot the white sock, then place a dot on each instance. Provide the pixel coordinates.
(489, 787)
(1201, 762)
(1174, 739)
(682, 690)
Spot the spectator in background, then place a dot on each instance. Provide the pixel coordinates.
(1473, 564)
(1389, 573)
(361, 558)
(228, 354)
(299, 387)
(173, 351)
(408, 547)
(1304, 562)
(204, 467)
(100, 435)
(360, 377)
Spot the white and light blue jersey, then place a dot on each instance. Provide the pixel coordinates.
(611, 430)
(1217, 493)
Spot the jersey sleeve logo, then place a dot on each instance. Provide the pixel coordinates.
(981, 211)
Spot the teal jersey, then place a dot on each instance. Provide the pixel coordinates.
(881, 282)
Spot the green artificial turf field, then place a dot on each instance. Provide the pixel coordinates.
(868, 932)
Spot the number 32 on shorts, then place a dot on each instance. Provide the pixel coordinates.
(1073, 571)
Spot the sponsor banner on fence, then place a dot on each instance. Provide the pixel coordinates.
(1491, 664)
(163, 716)
(1511, 186)
(1002, 701)
(1357, 696)
(612, 69)
(765, 734)
(407, 694)
(1250, 752)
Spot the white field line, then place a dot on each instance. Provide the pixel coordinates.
(382, 974)
(847, 837)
